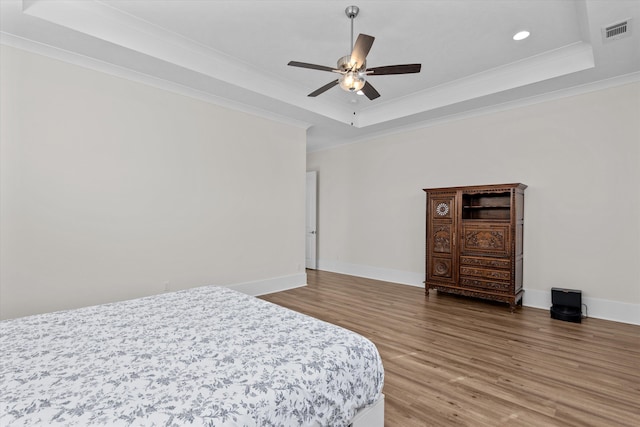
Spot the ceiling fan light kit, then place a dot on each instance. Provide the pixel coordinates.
(352, 81)
(353, 68)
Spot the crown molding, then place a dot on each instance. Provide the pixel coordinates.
(496, 108)
(125, 73)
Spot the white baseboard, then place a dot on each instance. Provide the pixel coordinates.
(268, 286)
(385, 274)
(596, 307)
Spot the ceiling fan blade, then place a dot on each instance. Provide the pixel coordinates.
(369, 91)
(394, 69)
(311, 66)
(361, 49)
(324, 88)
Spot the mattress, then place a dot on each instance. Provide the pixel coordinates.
(205, 356)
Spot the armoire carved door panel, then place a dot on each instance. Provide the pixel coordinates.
(440, 268)
(486, 239)
(442, 238)
(443, 207)
(441, 246)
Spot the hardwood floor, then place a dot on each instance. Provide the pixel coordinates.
(453, 361)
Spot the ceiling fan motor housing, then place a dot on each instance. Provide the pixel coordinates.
(344, 64)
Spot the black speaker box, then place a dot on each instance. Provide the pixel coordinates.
(567, 305)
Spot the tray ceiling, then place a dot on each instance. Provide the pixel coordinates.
(235, 53)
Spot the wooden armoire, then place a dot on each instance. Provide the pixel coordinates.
(474, 241)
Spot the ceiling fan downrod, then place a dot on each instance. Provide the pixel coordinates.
(351, 12)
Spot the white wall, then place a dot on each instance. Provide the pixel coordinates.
(579, 156)
(111, 189)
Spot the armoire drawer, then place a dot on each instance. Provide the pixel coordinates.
(485, 273)
(485, 262)
(469, 282)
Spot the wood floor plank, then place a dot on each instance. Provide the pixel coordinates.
(455, 361)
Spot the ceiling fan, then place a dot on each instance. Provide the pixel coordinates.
(353, 68)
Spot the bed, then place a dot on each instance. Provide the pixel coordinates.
(204, 356)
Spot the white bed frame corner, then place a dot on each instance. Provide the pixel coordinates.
(371, 416)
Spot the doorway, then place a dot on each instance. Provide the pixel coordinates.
(311, 234)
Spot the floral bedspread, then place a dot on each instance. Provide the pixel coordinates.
(205, 356)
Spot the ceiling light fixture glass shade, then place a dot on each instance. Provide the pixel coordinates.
(521, 35)
(352, 81)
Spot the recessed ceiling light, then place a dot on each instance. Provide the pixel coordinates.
(521, 35)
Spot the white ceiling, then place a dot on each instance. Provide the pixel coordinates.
(235, 53)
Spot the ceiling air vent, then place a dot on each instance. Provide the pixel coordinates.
(617, 31)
